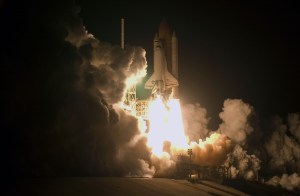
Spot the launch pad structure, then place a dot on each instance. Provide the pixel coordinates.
(164, 80)
(130, 97)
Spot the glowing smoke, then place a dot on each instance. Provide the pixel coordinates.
(108, 67)
(235, 120)
(195, 121)
(212, 150)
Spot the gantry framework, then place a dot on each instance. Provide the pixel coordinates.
(138, 108)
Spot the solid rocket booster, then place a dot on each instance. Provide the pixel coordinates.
(162, 82)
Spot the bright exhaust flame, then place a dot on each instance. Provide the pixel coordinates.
(167, 139)
(166, 126)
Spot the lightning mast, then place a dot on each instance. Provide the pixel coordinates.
(122, 33)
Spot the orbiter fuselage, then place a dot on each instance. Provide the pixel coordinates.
(162, 82)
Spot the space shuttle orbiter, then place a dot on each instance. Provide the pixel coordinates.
(162, 82)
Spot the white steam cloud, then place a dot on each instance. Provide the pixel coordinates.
(164, 165)
(235, 120)
(195, 121)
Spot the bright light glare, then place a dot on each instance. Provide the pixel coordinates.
(165, 125)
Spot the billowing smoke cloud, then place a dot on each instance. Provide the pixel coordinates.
(242, 165)
(279, 147)
(132, 153)
(282, 147)
(111, 66)
(195, 121)
(235, 117)
(290, 182)
(236, 127)
(212, 150)
(61, 91)
(105, 66)
(164, 165)
(294, 125)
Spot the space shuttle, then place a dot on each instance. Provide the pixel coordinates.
(164, 80)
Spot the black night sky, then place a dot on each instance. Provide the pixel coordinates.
(227, 49)
(55, 120)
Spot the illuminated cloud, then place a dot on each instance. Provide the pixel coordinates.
(235, 120)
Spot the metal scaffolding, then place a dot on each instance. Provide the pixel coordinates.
(142, 108)
(130, 99)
